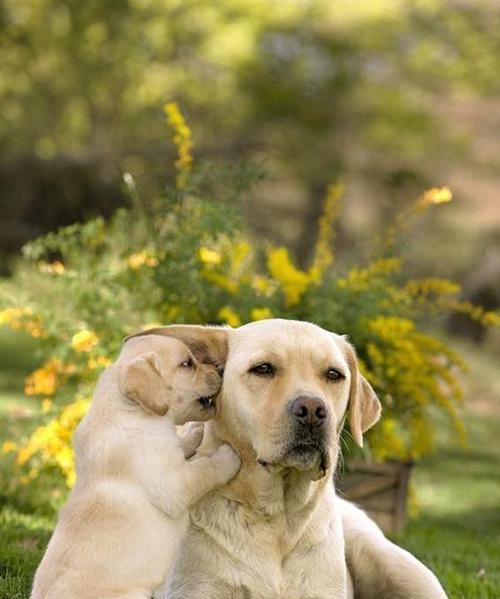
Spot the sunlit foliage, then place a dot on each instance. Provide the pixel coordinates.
(185, 258)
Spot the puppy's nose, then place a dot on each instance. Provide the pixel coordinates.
(309, 411)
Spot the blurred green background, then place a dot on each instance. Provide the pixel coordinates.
(390, 97)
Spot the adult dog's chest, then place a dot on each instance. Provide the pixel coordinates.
(251, 554)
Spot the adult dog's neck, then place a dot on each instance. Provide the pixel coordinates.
(271, 491)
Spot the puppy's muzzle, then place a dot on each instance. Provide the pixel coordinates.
(208, 401)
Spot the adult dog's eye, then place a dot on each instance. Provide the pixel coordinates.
(262, 369)
(188, 363)
(332, 374)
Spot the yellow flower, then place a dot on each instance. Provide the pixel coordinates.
(263, 285)
(84, 341)
(392, 328)
(323, 255)
(431, 286)
(151, 325)
(8, 446)
(294, 282)
(46, 405)
(360, 279)
(491, 319)
(11, 316)
(99, 362)
(70, 476)
(73, 413)
(436, 195)
(221, 280)
(44, 380)
(261, 313)
(487, 318)
(22, 319)
(34, 328)
(239, 253)
(387, 443)
(52, 442)
(172, 313)
(208, 256)
(53, 268)
(422, 437)
(182, 140)
(24, 455)
(229, 315)
(144, 258)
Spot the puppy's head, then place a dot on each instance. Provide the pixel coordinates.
(162, 375)
(209, 344)
(287, 387)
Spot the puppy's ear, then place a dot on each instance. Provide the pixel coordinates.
(208, 344)
(364, 405)
(140, 381)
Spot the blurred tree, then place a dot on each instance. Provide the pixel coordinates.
(326, 88)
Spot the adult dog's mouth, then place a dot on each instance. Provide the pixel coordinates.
(311, 457)
(207, 401)
(305, 457)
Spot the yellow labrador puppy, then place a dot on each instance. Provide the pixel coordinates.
(119, 534)
(278, 530)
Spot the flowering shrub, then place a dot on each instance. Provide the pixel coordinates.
(183, 258)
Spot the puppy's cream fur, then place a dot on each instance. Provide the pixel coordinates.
(119, 534)
(278, 530)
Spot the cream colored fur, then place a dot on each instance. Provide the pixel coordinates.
(380, 569)
(278, 530)
(119, 534)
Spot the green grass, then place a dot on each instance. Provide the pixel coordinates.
(25, 522)
(457, 532)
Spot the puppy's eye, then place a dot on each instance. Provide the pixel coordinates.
(188, 363)
(332, 374)
(262, 369)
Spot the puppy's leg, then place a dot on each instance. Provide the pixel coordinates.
(190, 436)
(202, 474)
(193, 479)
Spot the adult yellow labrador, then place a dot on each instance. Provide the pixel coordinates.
(278, 530)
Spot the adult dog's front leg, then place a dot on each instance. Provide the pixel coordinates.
(202, 589)
(380, 569)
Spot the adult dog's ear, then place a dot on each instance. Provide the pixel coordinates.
(364, 405)
(140, 381)
(209, 344)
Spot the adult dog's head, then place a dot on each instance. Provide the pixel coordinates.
(287, 388)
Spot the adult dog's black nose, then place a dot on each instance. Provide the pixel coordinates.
(309, 411)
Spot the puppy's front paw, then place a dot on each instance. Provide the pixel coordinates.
(193, 431)
(190, 436)
(227, 462)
